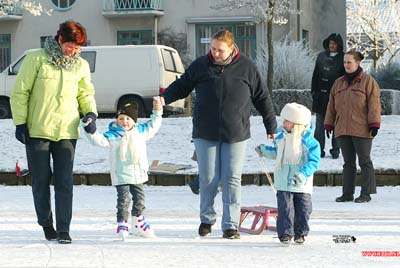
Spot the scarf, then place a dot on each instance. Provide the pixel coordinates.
(234, 53)
(291, 151)
(350, 77)
(57, 57)
(128, 141)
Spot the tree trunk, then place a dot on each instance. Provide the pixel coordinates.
(270, 45)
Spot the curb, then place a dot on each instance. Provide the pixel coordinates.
(383, 178)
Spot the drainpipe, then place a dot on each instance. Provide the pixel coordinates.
(155, 30)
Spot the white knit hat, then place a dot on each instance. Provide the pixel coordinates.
(296, 113)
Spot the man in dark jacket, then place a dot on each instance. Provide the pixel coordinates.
(328, 67)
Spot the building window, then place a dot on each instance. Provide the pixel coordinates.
(305, 36)
(143, 37)
(63, 4)
(5, 51)
(43, 39)
(245, 37)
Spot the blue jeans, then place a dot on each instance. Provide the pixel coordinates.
(220, 163)
(38, 153)
(294, 210)
(124, 193)
(319, 135)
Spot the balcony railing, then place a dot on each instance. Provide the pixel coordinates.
(10, 11)
(131, 5)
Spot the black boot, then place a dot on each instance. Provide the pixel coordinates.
(299, 239)
(50, 233)
(231, 234)
(64, 238)
(204, 229)
(345, 198)
(363, 198)
(285, 239)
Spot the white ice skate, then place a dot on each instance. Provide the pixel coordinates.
(122, 230)
(141, 227)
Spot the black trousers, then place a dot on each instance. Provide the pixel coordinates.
(361, 147)
(62, 152)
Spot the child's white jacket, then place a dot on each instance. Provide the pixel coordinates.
(125, 168)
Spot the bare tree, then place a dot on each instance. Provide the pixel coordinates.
(11, 6)
(374, 28)
(269, 11)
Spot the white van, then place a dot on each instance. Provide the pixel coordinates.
(120, 74)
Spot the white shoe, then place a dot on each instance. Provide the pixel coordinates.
(141, 227)
(123, 230)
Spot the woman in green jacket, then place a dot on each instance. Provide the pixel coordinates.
(52, 87)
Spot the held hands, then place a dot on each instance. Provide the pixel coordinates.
(373, 131)
(157, 103)
(22, 134)
(90, 120)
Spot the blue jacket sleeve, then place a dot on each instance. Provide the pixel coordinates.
(313, 157)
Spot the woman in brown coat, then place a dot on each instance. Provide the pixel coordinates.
(354, 111)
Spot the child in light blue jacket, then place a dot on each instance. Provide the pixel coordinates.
(128, 163)
(297, 155)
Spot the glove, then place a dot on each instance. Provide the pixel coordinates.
(298, 180)
(328, 133)
(91, 126)
(373, 131)
(258, 150)
(22, 134)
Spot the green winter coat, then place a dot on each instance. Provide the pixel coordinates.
(49, 98)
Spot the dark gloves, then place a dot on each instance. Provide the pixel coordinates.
(328, 133)
(373, 131)
(90, 118)
(22, 134)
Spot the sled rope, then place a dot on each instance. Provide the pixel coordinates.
(264, 167)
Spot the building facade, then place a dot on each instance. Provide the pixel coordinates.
(120, 22)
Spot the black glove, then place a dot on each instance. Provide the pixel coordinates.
(328, 133)
(91, 127)
(22, 134)
(373, 131)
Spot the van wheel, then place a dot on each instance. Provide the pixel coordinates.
(135, 102)
(5, 111)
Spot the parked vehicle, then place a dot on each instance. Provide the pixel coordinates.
(120, 74)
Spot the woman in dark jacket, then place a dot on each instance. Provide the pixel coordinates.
(226, 83)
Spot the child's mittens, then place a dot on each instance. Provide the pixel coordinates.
(258, 150)
(298, 180)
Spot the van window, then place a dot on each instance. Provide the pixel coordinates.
(171, 61)
(90, 57)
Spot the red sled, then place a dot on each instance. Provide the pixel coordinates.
(261, 213)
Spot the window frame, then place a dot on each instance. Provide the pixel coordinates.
(57, 6)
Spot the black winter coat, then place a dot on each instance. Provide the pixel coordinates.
(327, 70)
(223, 98)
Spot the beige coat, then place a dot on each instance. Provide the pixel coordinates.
(354, 108)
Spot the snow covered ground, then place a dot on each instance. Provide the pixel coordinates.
(173, 212)
(172, 144)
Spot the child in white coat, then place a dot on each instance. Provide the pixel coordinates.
(128, 163)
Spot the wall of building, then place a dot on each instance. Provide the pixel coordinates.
(318, 17)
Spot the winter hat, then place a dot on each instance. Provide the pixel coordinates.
(296, 113)
(129, 109)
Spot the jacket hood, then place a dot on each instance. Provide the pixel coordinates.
(334, 37)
